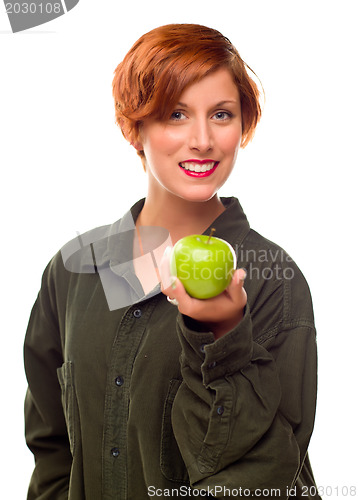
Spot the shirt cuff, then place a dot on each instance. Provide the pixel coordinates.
(214, 359)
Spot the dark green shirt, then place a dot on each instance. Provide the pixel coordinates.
(128, 399)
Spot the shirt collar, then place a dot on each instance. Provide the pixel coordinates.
(232, 225)
(113, 244)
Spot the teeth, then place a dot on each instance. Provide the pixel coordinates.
(196, 167)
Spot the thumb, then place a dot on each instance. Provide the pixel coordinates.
(240, 276)
(236, 287)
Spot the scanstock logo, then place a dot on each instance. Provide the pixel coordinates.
(25, 15)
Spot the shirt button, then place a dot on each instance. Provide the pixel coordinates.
(137, 313)
(115, 452)
(119, 381)
(212, 365)
(202, 348)
(220, 410)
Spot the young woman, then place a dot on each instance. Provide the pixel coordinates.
(131, 396)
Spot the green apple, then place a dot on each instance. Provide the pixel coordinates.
(204, 264)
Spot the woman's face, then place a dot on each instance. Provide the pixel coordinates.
(192, 154)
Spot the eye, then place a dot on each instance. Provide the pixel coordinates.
(222, 115)
(177, 116)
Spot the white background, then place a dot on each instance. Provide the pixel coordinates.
(66, 168)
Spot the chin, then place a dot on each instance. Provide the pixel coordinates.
(199, 195)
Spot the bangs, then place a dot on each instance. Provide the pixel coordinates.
(166, 70)
(174, 79)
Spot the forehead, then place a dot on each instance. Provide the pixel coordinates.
(215, 87)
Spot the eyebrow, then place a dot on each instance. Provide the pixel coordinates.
(217, 105)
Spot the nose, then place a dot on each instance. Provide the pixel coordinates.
(201, 138)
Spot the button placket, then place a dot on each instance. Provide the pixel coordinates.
(121, 362)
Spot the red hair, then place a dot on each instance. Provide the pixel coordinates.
(162, 63)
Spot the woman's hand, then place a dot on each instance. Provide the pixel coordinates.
(219, 314)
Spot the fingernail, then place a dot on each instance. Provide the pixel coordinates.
(242, 277)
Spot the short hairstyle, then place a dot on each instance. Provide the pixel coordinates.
(163, 62)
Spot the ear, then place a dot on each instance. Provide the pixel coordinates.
(137, 141)
(137, 145)
(130, 135)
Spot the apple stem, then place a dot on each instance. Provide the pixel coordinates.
(211, 233)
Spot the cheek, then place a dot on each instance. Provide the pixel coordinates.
(166, 142)
(230, 142)
(172, 140)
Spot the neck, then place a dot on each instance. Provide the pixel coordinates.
(180, 217)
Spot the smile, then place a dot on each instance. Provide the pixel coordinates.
(199, 168)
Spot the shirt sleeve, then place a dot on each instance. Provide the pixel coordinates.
(244, 413)
(45, 427)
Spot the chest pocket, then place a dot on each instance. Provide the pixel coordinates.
(171, 462)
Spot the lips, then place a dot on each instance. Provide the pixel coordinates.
(199, 168)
